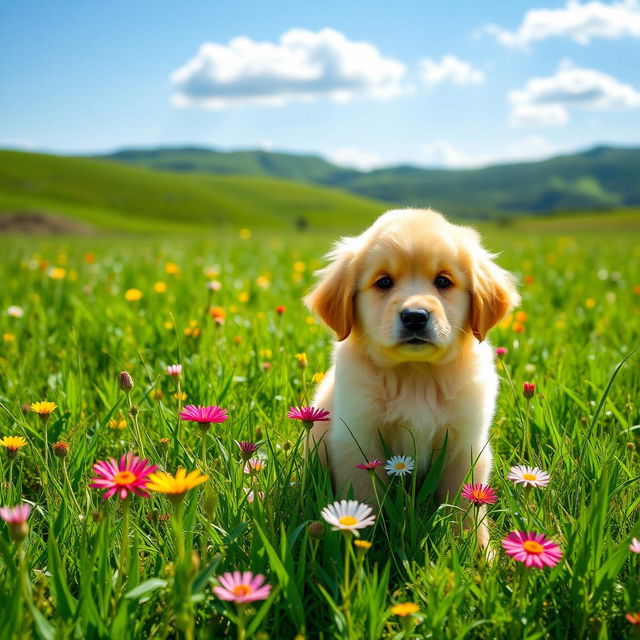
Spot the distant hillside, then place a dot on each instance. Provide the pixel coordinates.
(601, 178)
(111, 195)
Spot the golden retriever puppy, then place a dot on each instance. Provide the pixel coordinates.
(410, 300)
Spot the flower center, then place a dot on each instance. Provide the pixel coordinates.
(400, 465)
(123, 478)
(529, 476)
(241, 590)
(348, 521)
(531, 546)
(478, 494)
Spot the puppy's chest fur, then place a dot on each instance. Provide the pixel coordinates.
(411, 407)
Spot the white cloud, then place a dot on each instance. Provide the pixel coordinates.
(580, 22)
(355, 158)
(442, 153)
(547, 101)
(449, 69)
(303, 66)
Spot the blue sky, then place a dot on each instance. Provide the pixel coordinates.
(433, 85)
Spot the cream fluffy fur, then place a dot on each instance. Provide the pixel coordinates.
(410, 394)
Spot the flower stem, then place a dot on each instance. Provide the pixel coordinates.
(123, 563)
(66, 477)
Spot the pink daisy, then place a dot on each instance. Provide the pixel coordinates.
(16, 519)
(532, 548)
(254, 465)
(479, 493)
(308, 414)
(371, 464)
(130, 475)
(242, 587)
(247, 449)
(174, 370)
(501, 351)
(635, 545)
(203, 415)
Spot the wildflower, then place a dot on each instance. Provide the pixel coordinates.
(299, 266)
(125, 381)
(528, 389)
(8, 337)
(218, 314)
(15, 311)
(214, 285)
(308, 415)
(167, 324)
(399, 465)
(175, 487)
(348, 515)
(317, 377)
(16, 520)
(532, 548)
(501, 352)
(204, 416)
(129, 475)
(528, 476)
(132, 295)
(61, 449)
(405, 609)
(635, 545)
(362, 544)
(164, 443)
(245, 234)
(280, 309)
(57, 273)
(117, 423)
(43, 409)
(302, 360)
(174, 370)
(479, 493)
(316, 530)
(633, 618)
(529, 279)
(171, 268)
(368, 466)
(247, 449)
(266, 366)
(242, 587)
(180, 396)
(89, 257)
(254, 465)
(12, 444)
(160, 287)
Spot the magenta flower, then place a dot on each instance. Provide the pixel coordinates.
(247, 449)
(204, 415)
(479, 493)
(242, 587)
(501, 351)
(308, 415)
(532, 548)
(127, 476)
(528, 390)
(16, 519)
(371, 464)
(174, 370)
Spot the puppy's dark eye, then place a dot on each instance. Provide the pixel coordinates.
(442, 282)
(384, 283)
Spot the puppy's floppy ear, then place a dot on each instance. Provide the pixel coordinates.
(493, 293)
(333, 296)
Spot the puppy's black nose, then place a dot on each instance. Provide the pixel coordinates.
(414, 319)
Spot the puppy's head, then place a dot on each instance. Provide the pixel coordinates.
(412, 287)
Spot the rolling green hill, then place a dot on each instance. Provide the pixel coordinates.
(601, 178)
(110, 195)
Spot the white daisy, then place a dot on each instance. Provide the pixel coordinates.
(529, 476)
(15, 311)
(348, 515)
(399, 465)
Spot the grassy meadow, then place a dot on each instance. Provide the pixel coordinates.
(94, 306)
